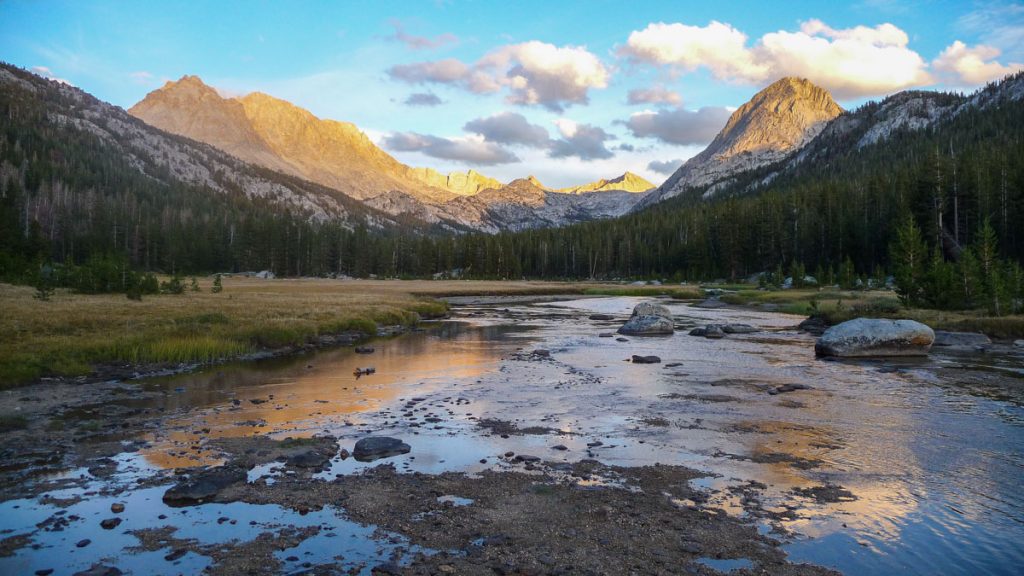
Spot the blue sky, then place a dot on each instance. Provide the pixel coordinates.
(514, 88)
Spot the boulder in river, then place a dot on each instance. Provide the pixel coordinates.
(714, 331)
(646, 359)
(876, 337)
(648, 319)
(376, 447)
(739, 329)
(203, 486)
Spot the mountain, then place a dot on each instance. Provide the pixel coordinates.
(628, 182)
(276, 134)
(526, 203)
(461, 183)
(280, 136)
(83, 178)
(830, 209)
(777, 121)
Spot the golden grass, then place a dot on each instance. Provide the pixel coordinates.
(71, 333)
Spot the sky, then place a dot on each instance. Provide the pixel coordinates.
(566, 91)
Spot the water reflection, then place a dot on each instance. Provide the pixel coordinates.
(318, 391)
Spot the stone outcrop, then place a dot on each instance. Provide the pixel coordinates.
(649, 319)
(876, 337)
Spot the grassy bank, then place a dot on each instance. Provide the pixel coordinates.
(840, 305)
(72, 333)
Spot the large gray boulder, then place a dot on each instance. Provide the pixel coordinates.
(876, 337)
(648, 319)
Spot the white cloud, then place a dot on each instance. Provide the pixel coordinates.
(470, 150)
(655, 95)
(141, 77)
(960, 64)
(850, 62)
(717, 46)
(679, 125)
(49, 75)
(534, 73)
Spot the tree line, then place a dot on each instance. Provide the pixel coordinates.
(68, 200)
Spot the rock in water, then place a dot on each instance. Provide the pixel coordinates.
(648, 319)
(960, 339)
(714, 331)
(375, 447)
(646, 359)
(739, 329)
(1018, 343)
(203, 486)
(876, 337)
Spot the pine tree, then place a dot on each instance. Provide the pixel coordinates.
(908, 254)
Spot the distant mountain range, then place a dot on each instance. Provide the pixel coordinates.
(278, 135)
(272, 150)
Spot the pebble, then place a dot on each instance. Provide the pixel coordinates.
(117, 507)
(83, 543)
(110, 523)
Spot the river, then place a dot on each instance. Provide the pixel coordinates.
(878, 467)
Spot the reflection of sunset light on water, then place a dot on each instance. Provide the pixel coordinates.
(319, 393)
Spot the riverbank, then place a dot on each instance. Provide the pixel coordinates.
(101, 337)
(836, 306)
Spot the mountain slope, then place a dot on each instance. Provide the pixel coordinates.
(276, 134)
(99, 181)
(777, 121)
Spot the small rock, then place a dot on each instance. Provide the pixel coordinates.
(99, 570)
(738, 329)
(308, 459)
(375, 447)
(364, 350)
(602, 317)
(203, 485)
(527, 458)
(176, 554)
(117, 507)
(605, 335)
(83, 543)
(621, 339)
(110, 523)
(646, 359)
(541, 353)
(562, 447)
(714, 331)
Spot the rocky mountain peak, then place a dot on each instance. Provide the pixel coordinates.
(628, 182)
(777, 121)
